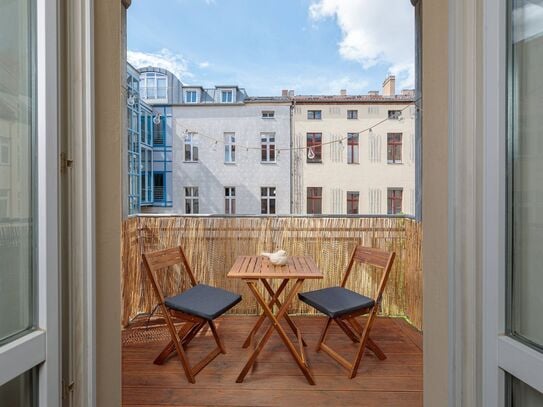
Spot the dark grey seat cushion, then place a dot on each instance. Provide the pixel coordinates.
(203, 301)
(336, 301)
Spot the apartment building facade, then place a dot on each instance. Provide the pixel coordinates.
(230, 153)
(150, 92)
(354, 154)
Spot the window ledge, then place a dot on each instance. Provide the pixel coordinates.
(268, 162)
(230, 163)
(191, 162)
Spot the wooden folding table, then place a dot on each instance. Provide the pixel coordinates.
(258, 268)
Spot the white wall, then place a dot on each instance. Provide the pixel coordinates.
(372, 176)
(211, 175)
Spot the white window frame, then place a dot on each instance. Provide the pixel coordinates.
(191, 199)
(268, 197)
(196, 94)
(189, 141)
(225, 92)
(41, 347)
(267, 145)
(152, 78)
(230, 148)
(503, 353)
(268, 114)
(229, 199)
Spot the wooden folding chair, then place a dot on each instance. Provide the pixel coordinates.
(342, 306)
(197, 306)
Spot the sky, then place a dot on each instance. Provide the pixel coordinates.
(309, 46)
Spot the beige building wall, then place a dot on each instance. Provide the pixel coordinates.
(373, 174)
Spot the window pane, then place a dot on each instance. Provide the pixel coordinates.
(526, 155)
(523, 395)
(16, 129)
(20, 391)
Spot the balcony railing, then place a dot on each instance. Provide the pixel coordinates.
(213, 243)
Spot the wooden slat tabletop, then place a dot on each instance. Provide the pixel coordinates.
(255, 267)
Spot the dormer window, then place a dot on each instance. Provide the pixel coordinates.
(191, 96)
(227, 96)
(153, 85)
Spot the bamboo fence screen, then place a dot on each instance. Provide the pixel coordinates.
(213, 243)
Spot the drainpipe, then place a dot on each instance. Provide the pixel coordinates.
(292, 106)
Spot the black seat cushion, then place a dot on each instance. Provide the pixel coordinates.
(336, 301)
(203, 301)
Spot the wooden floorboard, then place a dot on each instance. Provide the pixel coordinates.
(275, 380)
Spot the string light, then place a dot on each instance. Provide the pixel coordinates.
(310, 151)
(131, 100)
(156, 119)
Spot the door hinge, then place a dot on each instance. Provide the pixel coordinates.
(65, 163)
(67, 388)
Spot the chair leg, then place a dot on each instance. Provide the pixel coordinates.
(376, 349)
(323, 334)
(179, 348)
(217, 337)
(348, 331)
(363, 341)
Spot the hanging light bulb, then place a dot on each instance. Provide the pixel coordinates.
(214, 148)
(277, 155)
(400, 117)
(247, 146)
(156, 119)
(131, 100)
(310, 153)
(370, 131)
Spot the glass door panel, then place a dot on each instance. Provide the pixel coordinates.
(16, 169)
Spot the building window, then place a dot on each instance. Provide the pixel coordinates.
(4, 203)
(314, 115)
(191, 96)
(394, 148)
(352, 202)
(373, 110)
(230, 201)
(229, 147)
(268, 114)
(153, 85)
(227, 96)
(394, 114)
(4, 151)
(352, 114)
(352, 148)
(159, 187)
(191, 149)
(192, 204)
(146, 174)
(267, 147)
(314, 200)
(394, 196)
(267, 200)
(314, 147)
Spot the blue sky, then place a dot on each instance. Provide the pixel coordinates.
(311, 46)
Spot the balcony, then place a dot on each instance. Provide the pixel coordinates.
(212, 243)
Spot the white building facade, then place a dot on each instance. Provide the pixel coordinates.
(230, 153)
(340, 166)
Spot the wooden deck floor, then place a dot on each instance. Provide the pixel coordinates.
(276, 380)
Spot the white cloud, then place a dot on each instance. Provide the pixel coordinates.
(204, 64)
(374, 32)
(175, 63)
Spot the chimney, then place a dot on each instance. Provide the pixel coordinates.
(389, 86)
(373, 93)
(284, 93)
(408, 92)
(343, 92)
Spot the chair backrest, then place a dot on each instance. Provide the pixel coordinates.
(165, 258)
(372, 257)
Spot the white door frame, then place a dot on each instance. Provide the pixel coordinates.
(501, 353)
(41, 347)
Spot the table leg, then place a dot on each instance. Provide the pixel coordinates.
(278, 303)
(274, 318)
(262, 317)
